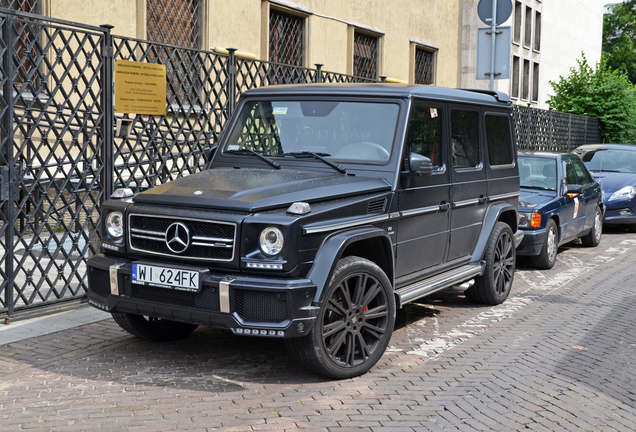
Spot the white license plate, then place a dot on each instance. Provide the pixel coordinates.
(166, 277)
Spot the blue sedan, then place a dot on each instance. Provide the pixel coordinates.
(614, 165)
(559, 202)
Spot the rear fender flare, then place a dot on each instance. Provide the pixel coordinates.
(494, 213)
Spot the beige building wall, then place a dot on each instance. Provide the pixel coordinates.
(123, 14)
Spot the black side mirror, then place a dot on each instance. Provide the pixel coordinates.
(420, 165)
(573, 189)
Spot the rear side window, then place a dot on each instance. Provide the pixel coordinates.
(499, 141)
(465, 138)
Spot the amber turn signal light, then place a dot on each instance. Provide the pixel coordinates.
(535, 220)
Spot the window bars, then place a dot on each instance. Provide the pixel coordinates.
(365, 56)
(174, 22)
(424, 66)
(30, 6)
(286, 38)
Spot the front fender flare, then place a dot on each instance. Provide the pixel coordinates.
(332, 248)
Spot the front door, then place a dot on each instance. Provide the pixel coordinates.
(423, 226)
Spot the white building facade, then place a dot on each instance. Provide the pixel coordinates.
(547, 39)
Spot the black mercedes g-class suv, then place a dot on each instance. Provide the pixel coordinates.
(324, 208)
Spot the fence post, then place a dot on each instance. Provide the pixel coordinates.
(585, 136)
(318, 77)
(569, 128)
(550, 127)
(108, 122)
(231, 74)
(382, 78)
(7, 123)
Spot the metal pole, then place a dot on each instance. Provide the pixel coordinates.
(318, 76)
(7, 121)
(231, 64)
(108, 122)
(493, 37)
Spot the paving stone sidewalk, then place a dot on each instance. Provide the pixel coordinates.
(558, 355)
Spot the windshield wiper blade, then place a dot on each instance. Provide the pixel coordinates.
(537, 187)
(248, 151)
(318, 156)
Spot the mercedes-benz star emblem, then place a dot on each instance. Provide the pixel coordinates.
(177, 237)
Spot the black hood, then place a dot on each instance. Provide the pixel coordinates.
(251, 190)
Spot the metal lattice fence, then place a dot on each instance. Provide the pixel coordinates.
(63, 149)
(548, 130)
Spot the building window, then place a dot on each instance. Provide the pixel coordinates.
(535, 82)
(30, 6)
(517, 22)
(173, 22)
(286, 38)
(525, 90)
(365, 56)
(527, 38)
(514, 82)
(424, 66)
(537, 31)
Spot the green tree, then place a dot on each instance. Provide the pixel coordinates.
(600, 92)
(619, 38)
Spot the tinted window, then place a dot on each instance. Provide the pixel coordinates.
(498, 138)
(570, 176)
(425, 134)
(465, 138)
(356, 131)
(538, 173)
(581, 173)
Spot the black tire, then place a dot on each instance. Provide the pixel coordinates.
(494, 285)
(354, 325)
(154, 329)
(547, 257)
(593, 238)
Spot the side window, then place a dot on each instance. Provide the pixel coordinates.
(583, 175)
(570, 176)
(465, 138)
(498, 138)
(425, 135)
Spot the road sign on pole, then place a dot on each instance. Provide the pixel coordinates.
(500, 10)
(503, 43)
(485, 11)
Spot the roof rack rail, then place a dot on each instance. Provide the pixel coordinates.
(500, 96)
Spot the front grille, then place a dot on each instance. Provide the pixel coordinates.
(99, 281)
(209, 240)
(207, 299)
(260, 306)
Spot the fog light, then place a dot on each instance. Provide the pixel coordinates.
(624, 212)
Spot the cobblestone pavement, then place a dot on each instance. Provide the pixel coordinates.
(557, 355)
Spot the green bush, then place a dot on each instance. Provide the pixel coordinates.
(602, 93)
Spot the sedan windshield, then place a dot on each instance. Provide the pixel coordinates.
(610, 160)
(355, 131)
(538, 173)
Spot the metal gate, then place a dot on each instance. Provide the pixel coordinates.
(54, 111)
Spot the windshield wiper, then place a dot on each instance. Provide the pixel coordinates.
(317, 156)
(248, 151)
(537, 187)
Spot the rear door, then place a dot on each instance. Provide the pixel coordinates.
(501, 169)
(574, 208)
(468, 178)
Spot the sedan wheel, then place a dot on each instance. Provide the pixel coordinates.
(547, 257)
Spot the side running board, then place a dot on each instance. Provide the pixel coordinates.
(445, 280)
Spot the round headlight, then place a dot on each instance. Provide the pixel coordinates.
(271, 241)
(115, 224)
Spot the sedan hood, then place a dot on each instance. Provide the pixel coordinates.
(530, 198)
(251, 190)
(611, 182)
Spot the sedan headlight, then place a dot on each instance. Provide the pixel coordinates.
(115, 224)
(627, 192)
(529, 220)
(271, 241)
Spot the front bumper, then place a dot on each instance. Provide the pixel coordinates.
(532, 242)
(244, 305)
(620, 213)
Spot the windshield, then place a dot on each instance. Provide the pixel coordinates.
(538, 173)
(610, 160)
(355, 131)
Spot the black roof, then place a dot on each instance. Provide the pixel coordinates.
(481, 97)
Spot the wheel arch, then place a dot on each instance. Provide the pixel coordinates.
(370, 243)
(499, 212)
